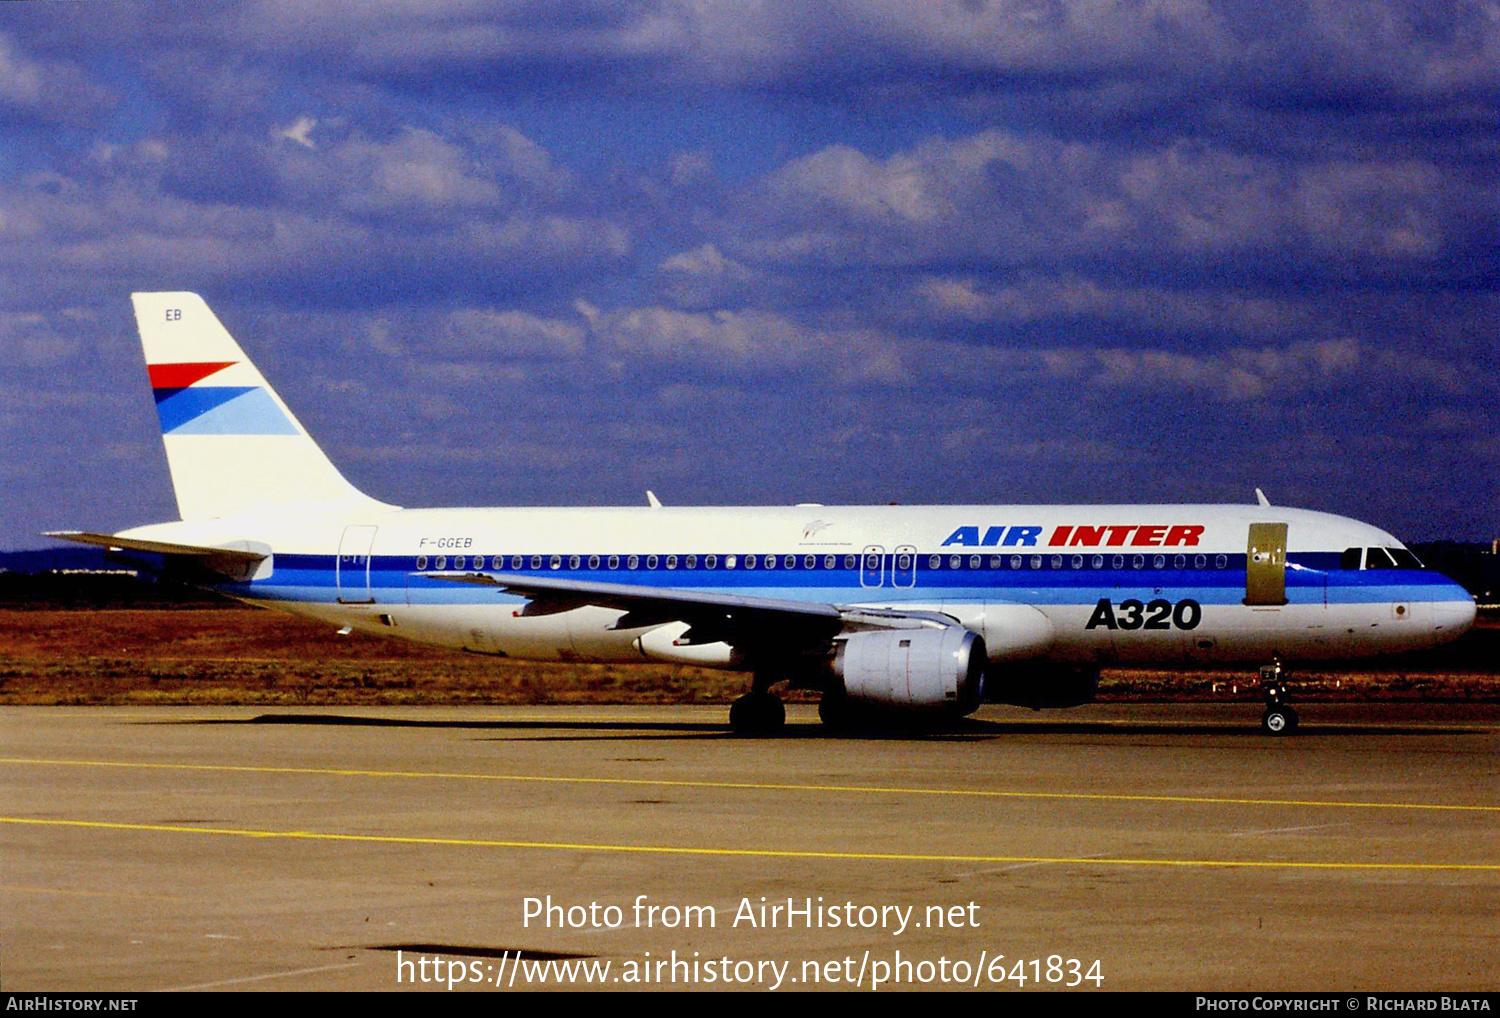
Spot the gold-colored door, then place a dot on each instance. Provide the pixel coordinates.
(1265, 564)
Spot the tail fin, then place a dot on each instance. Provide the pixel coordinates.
(231, 442)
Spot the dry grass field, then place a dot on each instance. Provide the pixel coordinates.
(248, 656)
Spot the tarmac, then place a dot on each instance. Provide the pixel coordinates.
(1147, 846)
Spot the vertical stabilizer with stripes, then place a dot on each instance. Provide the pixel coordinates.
(232, 444)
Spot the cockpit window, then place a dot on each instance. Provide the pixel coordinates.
(1378, 558)
(1350, 558)
(1405, 559)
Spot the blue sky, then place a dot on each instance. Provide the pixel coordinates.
(859, 251)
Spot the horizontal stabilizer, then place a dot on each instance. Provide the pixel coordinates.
(245, 561)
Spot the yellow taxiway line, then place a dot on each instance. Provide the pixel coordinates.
(980, 793)
(760, 853)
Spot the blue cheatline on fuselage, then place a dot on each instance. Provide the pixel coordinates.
(395, 579)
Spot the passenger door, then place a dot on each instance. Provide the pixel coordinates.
(1265, 565)
(352, 570)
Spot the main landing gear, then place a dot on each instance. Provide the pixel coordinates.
(758, 712)
(1279, 718)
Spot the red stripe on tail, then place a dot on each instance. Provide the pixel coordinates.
(180, 376)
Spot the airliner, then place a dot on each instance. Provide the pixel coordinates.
(891, 612)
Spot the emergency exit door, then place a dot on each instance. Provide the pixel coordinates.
(1265, 564)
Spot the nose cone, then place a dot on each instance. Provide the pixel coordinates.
(1453, 616)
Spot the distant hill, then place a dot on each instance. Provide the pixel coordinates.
(41, 560)
(85, 577)
(1476, 566)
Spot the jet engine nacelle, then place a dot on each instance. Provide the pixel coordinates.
(1038, 686)
(921, 669)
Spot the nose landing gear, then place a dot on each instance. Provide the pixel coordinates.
(1279, 718)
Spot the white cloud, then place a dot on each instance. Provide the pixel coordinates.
(1234, 374)
(998, 198)
(705, 260)
(515, 334)
(1068, 296)
(47, 91)
(521, 158)
(415, 168)
(20, 76)
(299, 131)
(902, 188)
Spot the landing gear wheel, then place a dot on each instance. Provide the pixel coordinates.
(1279, 720)
(757, 714)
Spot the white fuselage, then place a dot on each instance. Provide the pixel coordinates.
(1170, 584)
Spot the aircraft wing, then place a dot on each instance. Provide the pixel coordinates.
(733, 618)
